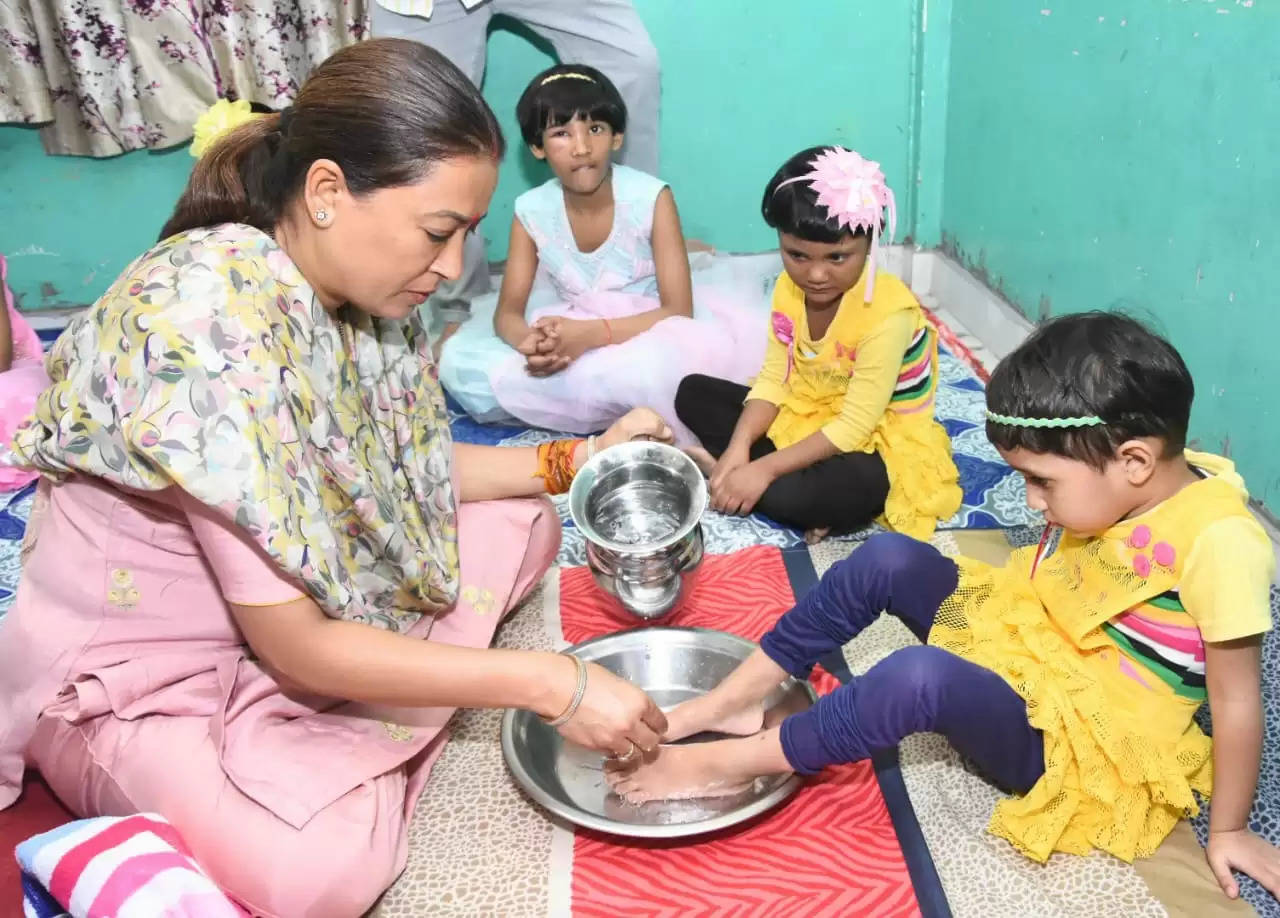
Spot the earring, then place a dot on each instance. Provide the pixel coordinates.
(322, 216)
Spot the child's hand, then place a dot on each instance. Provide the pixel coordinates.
(729, 462)
(741, 489)
(539, 349)
(574, 337)
(1247, 853)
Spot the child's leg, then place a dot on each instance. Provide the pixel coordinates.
(710, 408)
(844, 493)
(915, 690)
(890, 572)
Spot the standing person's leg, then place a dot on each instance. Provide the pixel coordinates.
(460, 35)
(843, 493)
(610, 36)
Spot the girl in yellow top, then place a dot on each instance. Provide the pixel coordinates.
(838, 429)
(1070, 675)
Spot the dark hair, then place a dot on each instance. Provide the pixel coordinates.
(385, 111)
(793, 209)
(547, 102)
(1092, 364)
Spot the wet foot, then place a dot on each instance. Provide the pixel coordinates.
(710, 712)
(681, 773)
(701, 458)
(814, 536)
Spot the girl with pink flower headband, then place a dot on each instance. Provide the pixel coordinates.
(838, 430)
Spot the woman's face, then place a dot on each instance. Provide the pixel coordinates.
(385, 252)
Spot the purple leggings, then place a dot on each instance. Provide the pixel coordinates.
(913, 690)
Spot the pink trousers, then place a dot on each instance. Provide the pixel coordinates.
(344, 854)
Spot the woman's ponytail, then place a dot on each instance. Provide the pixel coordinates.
(231, 182)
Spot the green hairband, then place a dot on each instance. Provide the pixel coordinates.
(1091, 421)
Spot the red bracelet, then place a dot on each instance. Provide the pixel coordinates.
(608, 330)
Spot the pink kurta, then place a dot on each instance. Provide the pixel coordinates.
(124, 679)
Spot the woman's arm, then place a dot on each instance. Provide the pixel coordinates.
(517, 281)
(497, 472)
(1233, 678)
(304, 648)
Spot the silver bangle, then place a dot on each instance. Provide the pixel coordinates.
(591, 446)
(579, 692)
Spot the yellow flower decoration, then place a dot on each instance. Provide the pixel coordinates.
(397, 732)
(481, 601)
(221, 117)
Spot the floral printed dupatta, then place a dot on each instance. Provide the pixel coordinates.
(211, 366)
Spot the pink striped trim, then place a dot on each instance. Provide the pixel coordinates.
(132, 876)
(1177, 637)
(915, 371)
(63, 879)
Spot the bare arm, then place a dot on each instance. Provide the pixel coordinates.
(304, 648)
(497, 472)
(756, 418)
(341, 659)
(517, 281)
(1233, 678)
(809, 451)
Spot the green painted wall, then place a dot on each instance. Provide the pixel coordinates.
(1123, 154)
(741, 93)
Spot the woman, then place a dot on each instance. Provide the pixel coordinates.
(224, 617)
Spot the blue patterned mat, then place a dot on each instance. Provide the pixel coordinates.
(994, 497)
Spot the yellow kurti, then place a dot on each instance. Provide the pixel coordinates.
(868, 385)
(1122, 754)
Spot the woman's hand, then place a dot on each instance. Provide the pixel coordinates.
(740, 490)
(1247, 853)
(637, 424)
(613, 716)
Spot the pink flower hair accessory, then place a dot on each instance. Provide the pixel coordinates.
(854, 192)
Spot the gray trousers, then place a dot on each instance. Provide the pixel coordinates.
(605, 34)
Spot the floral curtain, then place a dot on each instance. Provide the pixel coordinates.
(106, 76)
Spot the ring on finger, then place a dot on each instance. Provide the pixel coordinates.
(628, 755)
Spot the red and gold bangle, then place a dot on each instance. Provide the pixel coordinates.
(555, 464)
(608, 330)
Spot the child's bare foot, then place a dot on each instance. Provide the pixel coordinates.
(709, 713)
(814, 536)
(680, 773)
(701, 458)
(716, 769)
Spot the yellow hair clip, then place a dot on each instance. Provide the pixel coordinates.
(566, 76)
(222, 116)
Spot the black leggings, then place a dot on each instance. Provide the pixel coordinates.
(843, 493)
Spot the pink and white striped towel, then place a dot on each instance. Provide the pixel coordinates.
(116, 867)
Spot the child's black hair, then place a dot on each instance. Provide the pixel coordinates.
(1092, 364)
(552, 99)
(794, 209)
